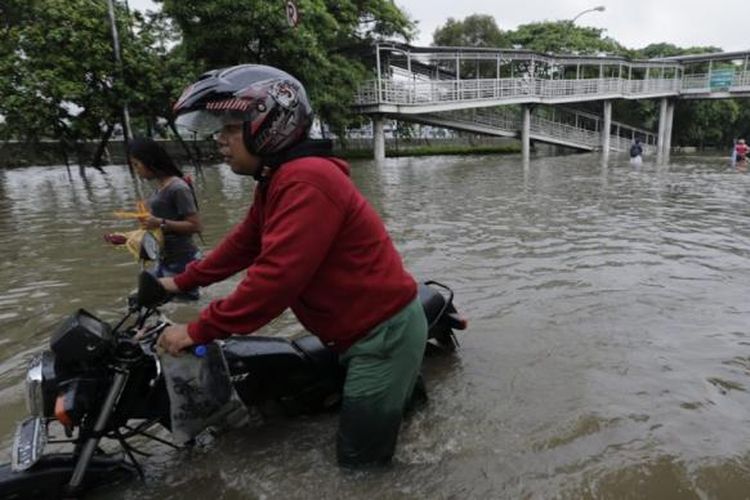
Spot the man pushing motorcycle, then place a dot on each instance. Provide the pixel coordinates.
(310, 241)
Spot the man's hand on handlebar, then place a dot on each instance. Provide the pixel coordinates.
(169, 285)
(174, 339)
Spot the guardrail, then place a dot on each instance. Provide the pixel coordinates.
(425, 92)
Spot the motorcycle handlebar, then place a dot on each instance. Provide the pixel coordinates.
(151, 335)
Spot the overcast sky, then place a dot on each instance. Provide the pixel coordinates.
(635, 23)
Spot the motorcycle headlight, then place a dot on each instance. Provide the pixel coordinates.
(40, 385)
(34, 392)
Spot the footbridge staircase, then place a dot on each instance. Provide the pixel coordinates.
(552, 125)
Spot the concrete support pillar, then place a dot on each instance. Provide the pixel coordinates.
(378, 137)
(668, 125)
(662, 125)
(526, 133)
(606, 126)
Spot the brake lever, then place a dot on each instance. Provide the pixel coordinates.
(153, 381)
(148, 342)
(151, 335)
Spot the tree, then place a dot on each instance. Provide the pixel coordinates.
(60, 78)
(157, 69)
(663, 49)
(60, 72)
(563, 37)
(330, 51)
(476, 30)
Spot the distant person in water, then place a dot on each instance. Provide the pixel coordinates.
(173, 208)
(741, 150)
(636, 152)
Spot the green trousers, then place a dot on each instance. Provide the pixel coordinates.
(381, 372)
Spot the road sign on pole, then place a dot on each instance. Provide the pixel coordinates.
(292, 13)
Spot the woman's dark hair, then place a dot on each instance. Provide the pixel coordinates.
(153, 156)
(156, 159)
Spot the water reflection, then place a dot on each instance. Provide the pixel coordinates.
(608, 354)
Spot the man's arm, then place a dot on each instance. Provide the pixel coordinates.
(235, 252)
(297, 236)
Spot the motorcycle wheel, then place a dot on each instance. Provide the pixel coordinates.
(48, 478)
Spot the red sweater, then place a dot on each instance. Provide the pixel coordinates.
(310, 241)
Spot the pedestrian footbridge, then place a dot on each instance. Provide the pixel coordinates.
(466, 88)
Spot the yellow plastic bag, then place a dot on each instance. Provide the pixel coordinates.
(141, 212)
(133, 240)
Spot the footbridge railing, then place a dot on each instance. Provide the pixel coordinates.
(476, 93)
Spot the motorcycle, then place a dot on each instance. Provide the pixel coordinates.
(105, 383)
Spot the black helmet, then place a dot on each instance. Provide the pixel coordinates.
(272, 105)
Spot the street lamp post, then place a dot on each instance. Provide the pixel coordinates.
(571, 23)
(599, 8)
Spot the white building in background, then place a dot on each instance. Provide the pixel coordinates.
(418, 131)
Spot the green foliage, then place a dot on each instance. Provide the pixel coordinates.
(59, 70)
(328, 51)
(670, 50)
(480, 30)
(563, 37)
(156, 68)
(702, 123)
(477, 30)
(62, 81)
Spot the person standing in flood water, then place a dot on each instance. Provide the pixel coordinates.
(741, 151)
(310, 242)
(173, 208)
(636, 152)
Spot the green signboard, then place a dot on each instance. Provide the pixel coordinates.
(721, 79)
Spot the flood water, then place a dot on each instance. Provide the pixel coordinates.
(607, 355)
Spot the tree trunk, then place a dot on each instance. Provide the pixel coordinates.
(64, 151)
(97, 160)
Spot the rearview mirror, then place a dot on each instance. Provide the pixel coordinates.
(149, 247)
(150, 292)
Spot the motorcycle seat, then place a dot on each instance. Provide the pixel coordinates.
(316, 351)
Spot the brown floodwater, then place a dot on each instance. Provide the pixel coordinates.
(607, 355)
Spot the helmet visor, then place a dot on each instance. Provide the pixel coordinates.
(206, 123)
